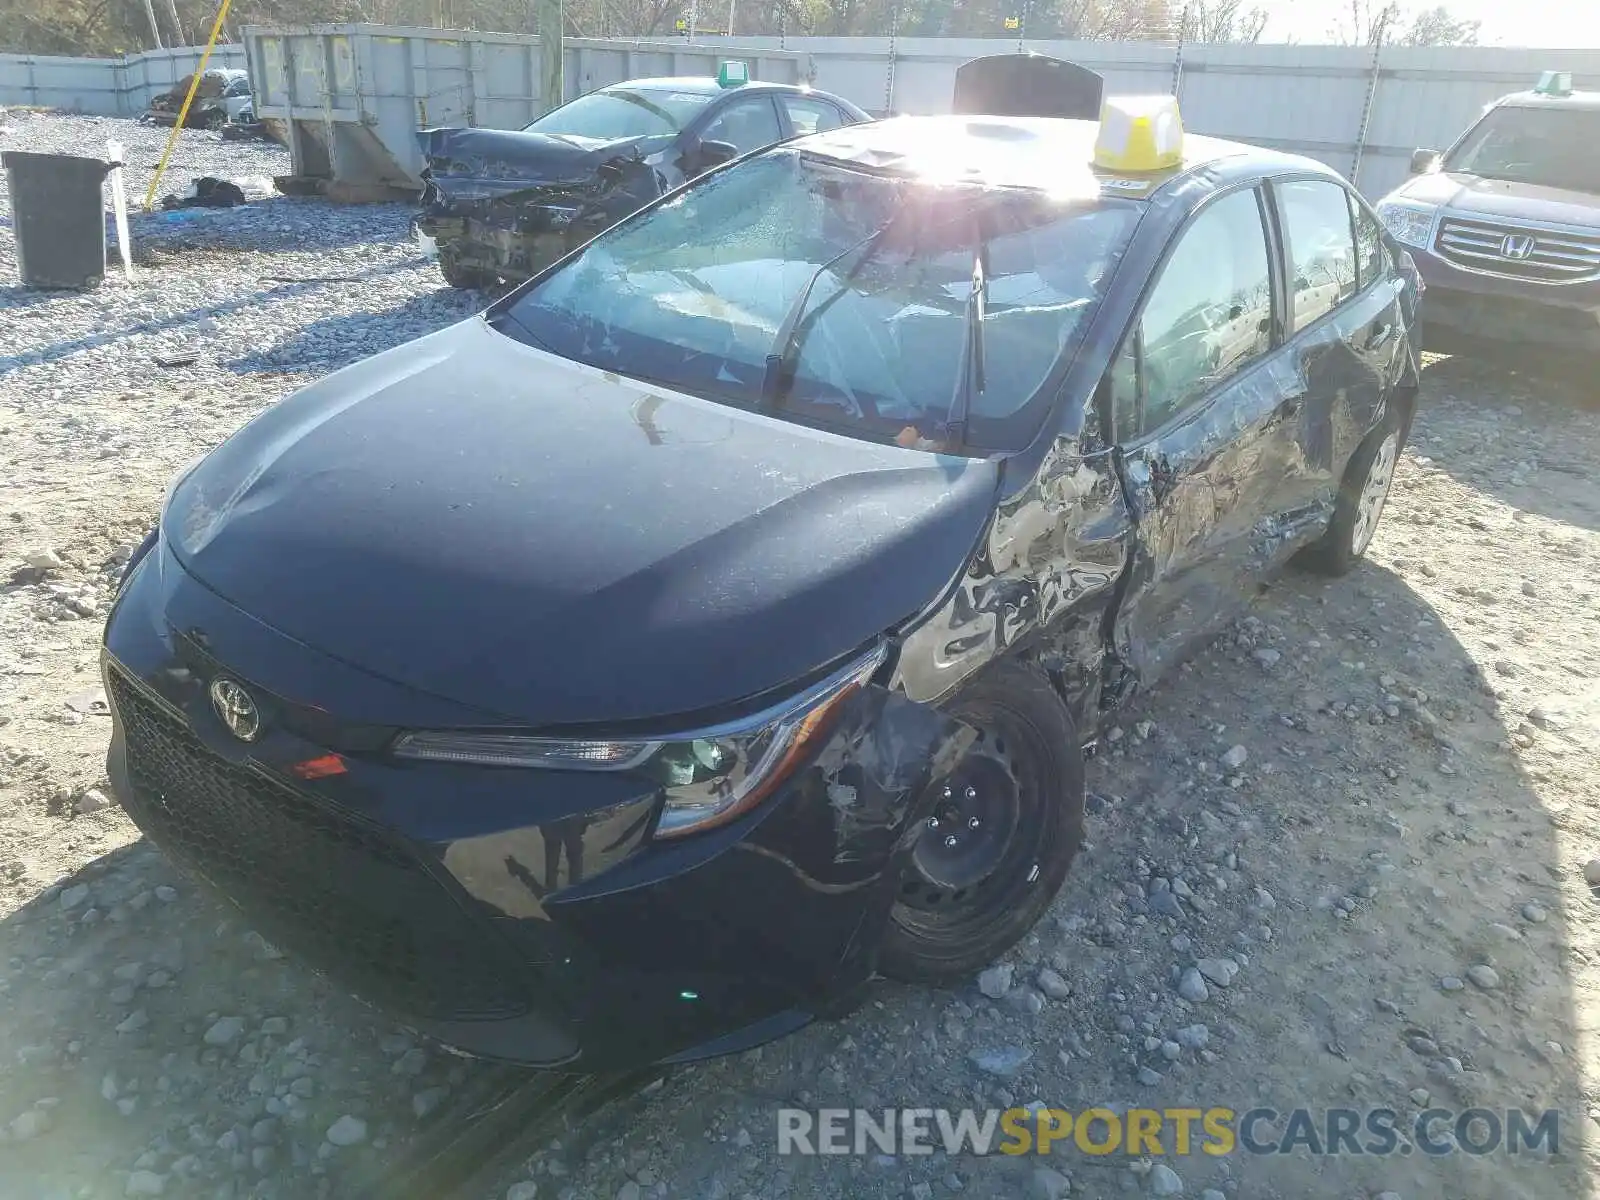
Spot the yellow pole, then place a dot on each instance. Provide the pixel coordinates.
(183, 114)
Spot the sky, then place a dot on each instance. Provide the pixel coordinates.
(1542, 23)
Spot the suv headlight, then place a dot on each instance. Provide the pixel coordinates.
(707, 776)
(1411, 224)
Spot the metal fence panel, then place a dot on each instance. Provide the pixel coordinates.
(103, 86)
(353, 95)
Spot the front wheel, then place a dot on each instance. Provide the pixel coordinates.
(1002, 831)
(1361, 500)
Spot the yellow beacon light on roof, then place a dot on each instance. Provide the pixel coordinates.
(1139, 133)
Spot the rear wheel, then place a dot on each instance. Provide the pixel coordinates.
(1002, 831)
(459, 276)
(1361, 500)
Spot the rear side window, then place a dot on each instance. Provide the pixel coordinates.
(1207, 318)
(808, 115)
(1372, 256)
(1321, 247)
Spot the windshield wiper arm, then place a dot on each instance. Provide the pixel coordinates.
(971, 380)
(779, 374)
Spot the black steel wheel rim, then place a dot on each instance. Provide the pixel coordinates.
(949, 888)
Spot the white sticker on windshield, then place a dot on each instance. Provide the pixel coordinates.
(1126, 185)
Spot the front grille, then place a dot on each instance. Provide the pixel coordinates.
(344, 895)
(1540, 255)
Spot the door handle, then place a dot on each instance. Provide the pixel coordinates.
(1380, 335)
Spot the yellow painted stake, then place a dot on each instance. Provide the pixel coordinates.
(183, 113)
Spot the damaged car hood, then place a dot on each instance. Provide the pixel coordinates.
(472, 163)
(492, 524)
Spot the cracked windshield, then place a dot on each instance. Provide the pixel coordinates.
(873, 303)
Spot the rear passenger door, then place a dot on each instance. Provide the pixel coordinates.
(1343, 335)
(1197, 398)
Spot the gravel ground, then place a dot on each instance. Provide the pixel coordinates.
(1337, 861)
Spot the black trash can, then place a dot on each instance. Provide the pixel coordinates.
(58, 213)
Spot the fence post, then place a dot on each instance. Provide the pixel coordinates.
(1367, 104)
(552, 54)
(1177, 58)
(888, 83)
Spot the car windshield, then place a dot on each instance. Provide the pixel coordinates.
(880, 305)
(620, 112)
(1548, 146)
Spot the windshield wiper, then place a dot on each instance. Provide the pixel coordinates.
(971, 380)
(779, 375)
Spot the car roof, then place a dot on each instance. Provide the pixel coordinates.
(1585, 101)
(1047, 153)
(698, 83)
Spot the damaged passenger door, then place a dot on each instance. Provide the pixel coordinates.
(1201, 404)
(1344, 331)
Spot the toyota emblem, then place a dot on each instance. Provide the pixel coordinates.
(236, 709)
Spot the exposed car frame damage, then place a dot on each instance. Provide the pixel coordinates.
(498, 213)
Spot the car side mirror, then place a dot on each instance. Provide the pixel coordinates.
(1424, 162)
(714, 154)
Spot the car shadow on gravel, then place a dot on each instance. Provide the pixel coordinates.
(1359, 870)
(1378, 847)
(327, 345)
(1537, 448)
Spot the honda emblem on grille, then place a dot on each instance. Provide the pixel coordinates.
(237, 711)
(1516, 246)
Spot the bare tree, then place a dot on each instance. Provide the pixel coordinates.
(1223, 21)
(1439, 27)
(1368, 22)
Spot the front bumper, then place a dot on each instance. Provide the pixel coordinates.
(510, 244)
(1466, 312)
(513, 914)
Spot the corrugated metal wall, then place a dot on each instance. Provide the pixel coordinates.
(1309, 99)
(105, 86)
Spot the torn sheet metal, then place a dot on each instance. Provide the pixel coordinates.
(1040, 582)
(510, 203)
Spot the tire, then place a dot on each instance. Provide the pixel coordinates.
(944, 924)
(467, 278)
(1356, 512)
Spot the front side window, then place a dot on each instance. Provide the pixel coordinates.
(1321, 246)
(809, 115)
(614, 113)
(1207, 317)
(1545, 146)
(746, 124)
(1372, 256)
(875, 304)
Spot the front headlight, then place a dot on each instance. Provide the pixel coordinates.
(707, 776)
(1411, 224)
